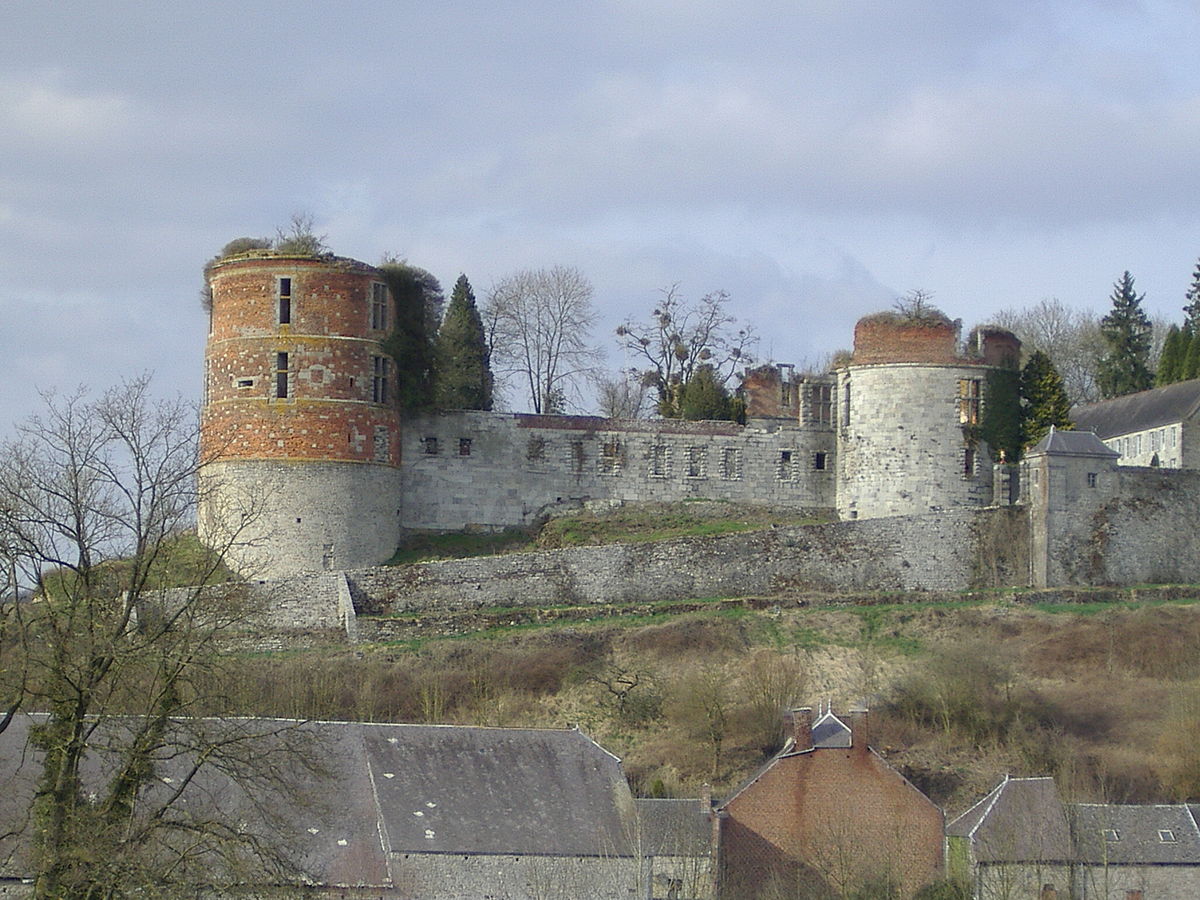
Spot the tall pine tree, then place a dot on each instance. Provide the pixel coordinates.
(462, 364)
(1124, 368)
(1044, 397)
(1191, 312)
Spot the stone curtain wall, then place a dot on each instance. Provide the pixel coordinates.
(495, 470)
(948, 551)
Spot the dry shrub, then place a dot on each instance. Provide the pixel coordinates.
(687, 636)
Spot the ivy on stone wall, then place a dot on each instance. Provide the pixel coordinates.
(1001, 425)
(417, 306)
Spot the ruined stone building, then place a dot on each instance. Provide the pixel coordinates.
(303, 437)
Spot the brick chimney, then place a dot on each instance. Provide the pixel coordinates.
(801, 721)
(860, 731)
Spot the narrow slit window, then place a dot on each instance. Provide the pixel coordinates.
(281, 376)
(285, 301)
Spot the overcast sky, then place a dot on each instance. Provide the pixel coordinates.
(814, 159)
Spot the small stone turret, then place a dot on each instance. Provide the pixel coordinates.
(910, 409)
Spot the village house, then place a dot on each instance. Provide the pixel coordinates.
(1159, 427)
(439, 812)
(1021, 842)
(827, 812)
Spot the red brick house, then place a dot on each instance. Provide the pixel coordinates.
(828, 812)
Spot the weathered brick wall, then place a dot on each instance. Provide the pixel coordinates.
(884, 338)
(513, 468)
(845, 814)
(950, 551)
(904, 449)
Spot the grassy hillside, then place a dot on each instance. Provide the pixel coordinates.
(1104, 696)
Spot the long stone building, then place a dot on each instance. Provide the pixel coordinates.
(309, 465)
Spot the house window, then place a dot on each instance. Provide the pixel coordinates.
(731, 463)
(783, 470)
(379, 379)
(243, 383)
(379, 306)
(281, 376)
(577, 456)
(1091, 479)
(968, 401)
(1155, 440)
(819, 461)
(1166, 836)
(535, 450)
(285, 301)
(696, 462)
(431, 446)
(464, 446)
(610, 452)
(659, 461)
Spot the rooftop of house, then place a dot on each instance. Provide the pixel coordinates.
(1021, 820)
(334, 795)
(1141, 411)
(1110, 834)
(1072, 443)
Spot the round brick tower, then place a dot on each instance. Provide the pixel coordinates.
(910, 407)
(299, 430)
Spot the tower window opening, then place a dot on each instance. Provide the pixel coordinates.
(281, 376)
(285, 301)
(968, 401)
(464, 446)
(379, 306)
(819, 461)
(820, 404)
(379, 379)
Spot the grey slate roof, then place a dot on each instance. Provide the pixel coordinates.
(1021, 820)
(454, 789)
(1144, 835)
(1140, 411)
(1075, 443)
(674, 827)
(830, 732)
(358, 790)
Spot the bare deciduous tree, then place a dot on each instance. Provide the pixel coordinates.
(95, 496)
(539, 323)
(1070, 337)
(679, 338)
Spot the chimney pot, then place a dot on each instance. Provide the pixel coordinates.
(860, 732)
(802, 720)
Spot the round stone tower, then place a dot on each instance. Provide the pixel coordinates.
(910, 414)
(299, 428)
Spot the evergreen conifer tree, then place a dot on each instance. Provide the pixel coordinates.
(1190, 367)
(1191, 312)
(1044, 397)
(1124, 368)
(704, 397)
(1174, 353)
(462, 364)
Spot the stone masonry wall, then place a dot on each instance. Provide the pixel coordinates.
(301, 516)
(492, 470)
(902, 448)
(949, 551)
